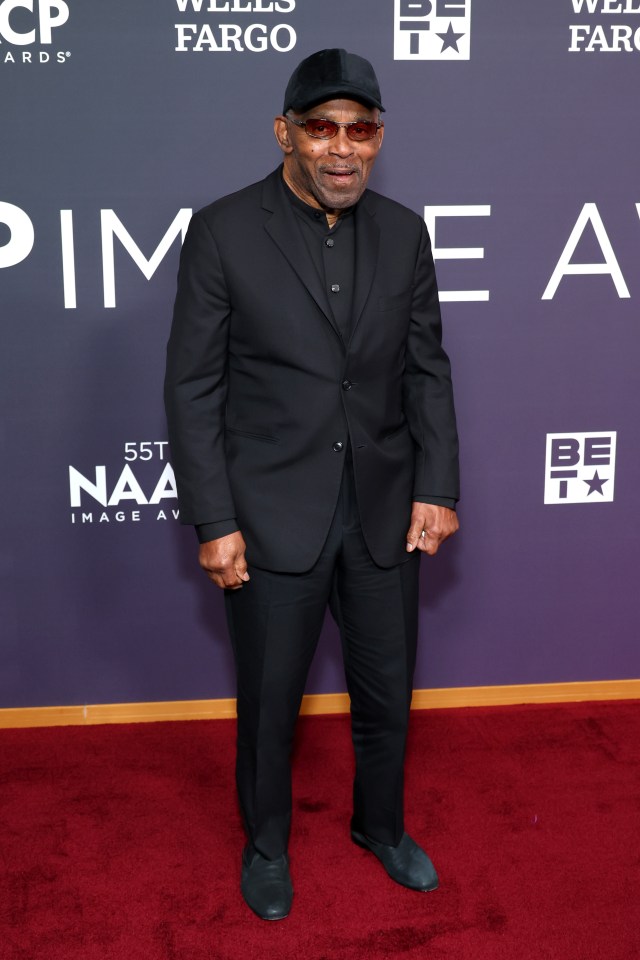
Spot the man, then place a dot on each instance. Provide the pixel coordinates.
(313, 437)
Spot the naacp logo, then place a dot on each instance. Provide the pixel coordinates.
(128, 493)
(27, 28)
(580, 467)
(432, 30)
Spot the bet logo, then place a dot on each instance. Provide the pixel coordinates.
(432, 29)
(580, 467)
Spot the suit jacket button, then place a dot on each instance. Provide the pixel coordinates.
(338, 445)
(346, 384)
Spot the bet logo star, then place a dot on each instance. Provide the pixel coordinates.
(595, 484)
(450, 39)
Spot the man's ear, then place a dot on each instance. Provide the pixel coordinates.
(281, 130)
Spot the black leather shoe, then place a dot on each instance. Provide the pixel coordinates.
(407, 863)
(266, 885)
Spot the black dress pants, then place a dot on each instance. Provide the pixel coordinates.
(274, 622)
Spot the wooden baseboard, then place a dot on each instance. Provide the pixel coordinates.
(319, 703)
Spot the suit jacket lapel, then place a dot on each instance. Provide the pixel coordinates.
(284, 230)
(367, 243)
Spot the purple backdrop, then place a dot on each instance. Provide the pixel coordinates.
(513, 127)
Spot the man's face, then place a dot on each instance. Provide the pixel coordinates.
(331, 174)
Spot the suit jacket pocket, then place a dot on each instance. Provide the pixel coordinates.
(251, 436)
(396, 433)
(399, 301)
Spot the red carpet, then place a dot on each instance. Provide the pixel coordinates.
(123, 843)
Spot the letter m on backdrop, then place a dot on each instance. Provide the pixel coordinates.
(112, 227)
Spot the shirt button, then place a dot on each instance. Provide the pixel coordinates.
(337, 447)
(329, 242)
(335, 288)
(346, 384)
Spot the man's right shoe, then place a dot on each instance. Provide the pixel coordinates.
(266, 885)
(407, 863)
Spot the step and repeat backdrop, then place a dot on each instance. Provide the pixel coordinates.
(513, 128)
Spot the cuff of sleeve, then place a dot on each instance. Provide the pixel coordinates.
(438, 501)
(212, 531)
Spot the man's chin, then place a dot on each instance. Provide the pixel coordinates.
(340, 199)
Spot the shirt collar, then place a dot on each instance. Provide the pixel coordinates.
(313, 213)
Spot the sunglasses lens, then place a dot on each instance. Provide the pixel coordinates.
(364, 130)
(327, 129)
(323, 129)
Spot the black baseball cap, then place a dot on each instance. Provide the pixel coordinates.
(328, 74)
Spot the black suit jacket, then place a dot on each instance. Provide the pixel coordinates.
(263, 396)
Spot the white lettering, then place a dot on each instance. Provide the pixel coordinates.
(195, 5)
(230, 34)
(598, 39)
(182, 35)
(261, 29)
(112, 226)
(592, 5)
(68, 259)
(22, 236)
(431, 213)
(617, 38)
(564, 267)
(579, 32)
(256, 38)
(97, 490)
(127, 488)
(288, 45)
(165, 487)
(621, 37)
(53, 13)
(237, 6)
(9, 34)
(206, 37)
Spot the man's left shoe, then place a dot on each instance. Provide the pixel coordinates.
(407, 863)
(266, 885)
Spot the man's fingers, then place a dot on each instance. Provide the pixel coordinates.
(430, 526)
(227, 580)
(414, 534)
(223, 560)
(429, 543)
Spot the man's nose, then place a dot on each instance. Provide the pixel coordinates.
(340, 144)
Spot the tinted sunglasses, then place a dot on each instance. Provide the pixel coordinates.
(323, 129)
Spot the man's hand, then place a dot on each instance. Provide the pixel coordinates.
(223, 561)
(430, 526)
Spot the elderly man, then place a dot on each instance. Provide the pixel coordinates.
(313, 436)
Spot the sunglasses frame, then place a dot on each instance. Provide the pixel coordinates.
(347, 126)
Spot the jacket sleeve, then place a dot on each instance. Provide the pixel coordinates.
(196, 380)
(427, 390)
